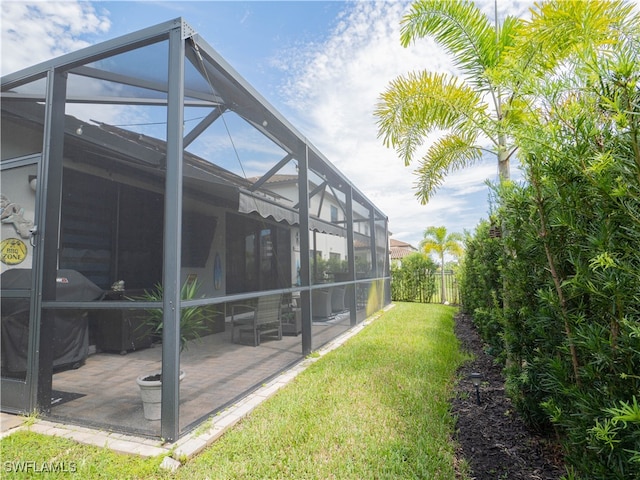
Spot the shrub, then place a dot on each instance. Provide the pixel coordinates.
(414, 280)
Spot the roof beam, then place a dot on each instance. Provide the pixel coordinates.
(202, 125)
(102, 100)
(106, 76)
(93, 53)
(314, 192)
(271, 172)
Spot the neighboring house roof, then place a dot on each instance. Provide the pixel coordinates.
(278, 178)
(399, 249)
(399, 243)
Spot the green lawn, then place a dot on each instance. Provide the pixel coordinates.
(378, 407)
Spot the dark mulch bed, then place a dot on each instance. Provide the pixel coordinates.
(491, 436)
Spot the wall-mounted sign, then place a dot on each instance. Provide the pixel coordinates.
(13, 251)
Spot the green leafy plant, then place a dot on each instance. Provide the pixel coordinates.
(193, 320)
(437, 240)
(570, 265)
(414, 280)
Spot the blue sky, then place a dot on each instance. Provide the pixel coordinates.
(321, 64)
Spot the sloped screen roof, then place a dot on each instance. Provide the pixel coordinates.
(132, 71)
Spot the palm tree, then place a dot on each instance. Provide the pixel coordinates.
(436, 239)
(503, 68)
(501, 65)
(471, 112)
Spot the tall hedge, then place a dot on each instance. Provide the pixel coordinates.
(414, 279)
(569, 262)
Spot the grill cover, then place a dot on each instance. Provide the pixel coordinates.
(70, 336)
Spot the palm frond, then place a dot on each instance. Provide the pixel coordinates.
(453, 245)
(570, 27)
(450, 153)
(435, 234)
(461, 28)
(437, 239)
(419, 103)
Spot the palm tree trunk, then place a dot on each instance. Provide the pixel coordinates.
(503, 159)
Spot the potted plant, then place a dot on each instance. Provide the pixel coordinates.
(192, 325)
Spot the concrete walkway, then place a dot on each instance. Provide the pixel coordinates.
(192, 443)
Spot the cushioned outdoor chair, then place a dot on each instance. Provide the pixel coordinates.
(321, 303)
(262, 319)
(337, 299)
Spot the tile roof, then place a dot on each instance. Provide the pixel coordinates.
(399, 249)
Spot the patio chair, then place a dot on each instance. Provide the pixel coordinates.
(291, 315)
(258, 320)
(337, 299)
(321, 303)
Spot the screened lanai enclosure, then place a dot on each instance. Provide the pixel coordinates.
(159, 216)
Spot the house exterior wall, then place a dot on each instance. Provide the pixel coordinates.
(17, 204)
(19, 140)
(326, 246)
(211, 283)
(18, 196)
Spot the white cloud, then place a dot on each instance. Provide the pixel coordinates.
(37, 31)
(334, 88)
